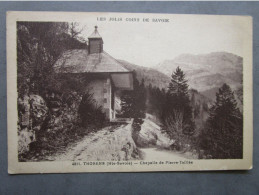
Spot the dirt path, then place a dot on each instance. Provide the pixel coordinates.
(107, 144)
(112, 144)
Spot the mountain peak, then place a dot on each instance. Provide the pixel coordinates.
(207, 71)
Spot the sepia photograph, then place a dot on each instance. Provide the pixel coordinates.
(128, 92)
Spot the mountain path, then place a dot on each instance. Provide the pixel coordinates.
(105, 144)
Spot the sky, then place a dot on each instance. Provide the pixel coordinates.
(148, 44)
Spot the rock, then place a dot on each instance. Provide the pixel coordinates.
(150, 135)
(24, 111)
(128, 149)
(25, 137)
(41, 119)
(32, 113)
(39, 110)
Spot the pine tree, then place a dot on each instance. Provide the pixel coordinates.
(225, 126)
(178, 86)
(178, 103)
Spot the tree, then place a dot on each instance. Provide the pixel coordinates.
(178, 86)
(75, 31)
(127, 102)
(224, 125)
(133, 103)
(39, 45)
(155, 101)
(177, 101)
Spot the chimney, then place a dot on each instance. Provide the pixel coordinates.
(95, 42)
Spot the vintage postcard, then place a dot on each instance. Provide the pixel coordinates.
(127, 92)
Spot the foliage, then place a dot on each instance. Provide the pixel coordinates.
(200, 105)
(178, 86)
(90, 112)
(177, 101)
(39, 44)
(223, 136)
(176, 128)
(133, 103)
(176, 112)
(156, 99)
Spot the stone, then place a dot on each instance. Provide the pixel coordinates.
(25, 137)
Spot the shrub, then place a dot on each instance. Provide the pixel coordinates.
(90, 112)
(176, 128)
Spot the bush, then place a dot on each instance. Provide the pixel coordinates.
(176, 128)
(90, 113)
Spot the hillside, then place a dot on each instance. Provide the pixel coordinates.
(207, 72)
(150, 75)
(200, 104)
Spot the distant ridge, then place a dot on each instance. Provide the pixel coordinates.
(207, 72)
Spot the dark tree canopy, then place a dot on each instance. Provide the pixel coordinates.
(133, 102)
(156, 99)
(225, 126)
(39, 44)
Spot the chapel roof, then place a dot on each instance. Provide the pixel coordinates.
(79, 61)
